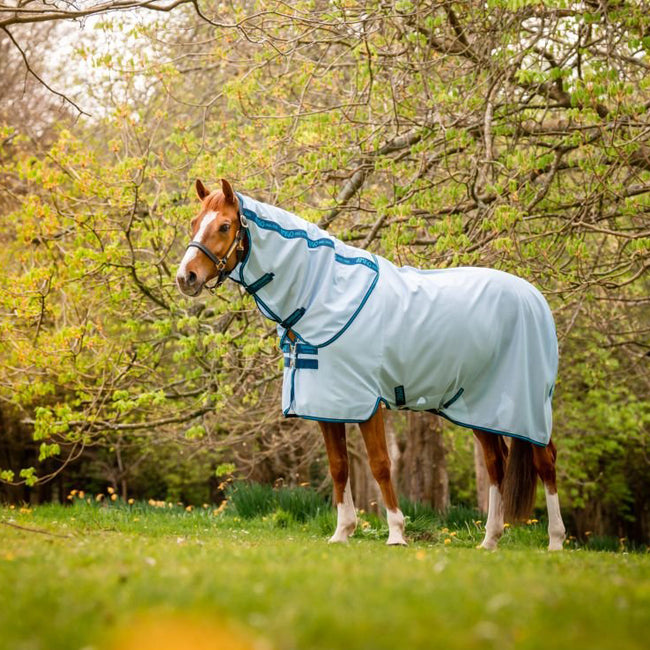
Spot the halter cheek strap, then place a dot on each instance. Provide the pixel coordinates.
(220, 263)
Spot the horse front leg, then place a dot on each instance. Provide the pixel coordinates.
(375, 438)
(337, 454)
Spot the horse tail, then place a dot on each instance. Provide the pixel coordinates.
(520, 481)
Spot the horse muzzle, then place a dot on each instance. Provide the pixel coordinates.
(189, 283)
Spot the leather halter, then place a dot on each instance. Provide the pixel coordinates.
(221, 262)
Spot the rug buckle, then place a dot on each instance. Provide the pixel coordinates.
(292, 354)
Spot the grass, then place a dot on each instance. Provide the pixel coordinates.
(162, 577)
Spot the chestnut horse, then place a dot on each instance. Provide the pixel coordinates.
(218, 246)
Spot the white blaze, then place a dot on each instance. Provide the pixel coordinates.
(192, 252)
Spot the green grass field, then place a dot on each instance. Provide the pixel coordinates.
(119, 576)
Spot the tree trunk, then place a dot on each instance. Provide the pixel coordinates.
(423, 468)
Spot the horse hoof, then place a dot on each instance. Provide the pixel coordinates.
(396, 542)
(487, 546)
(555, 546)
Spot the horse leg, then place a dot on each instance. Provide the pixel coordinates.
(544, 460)
(375, 438)
(337, 453)
(495, 453)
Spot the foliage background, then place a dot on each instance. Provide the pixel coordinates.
(510, 134)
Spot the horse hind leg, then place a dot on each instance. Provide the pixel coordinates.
(544, 459)
(495, 453)
(337, 454)
(374, 437)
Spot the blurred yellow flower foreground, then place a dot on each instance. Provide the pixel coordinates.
(172, 631)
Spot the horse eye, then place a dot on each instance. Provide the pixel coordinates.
(225, 227)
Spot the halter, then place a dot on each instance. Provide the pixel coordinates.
(220, 263)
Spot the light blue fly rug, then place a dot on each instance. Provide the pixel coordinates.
(475, 345)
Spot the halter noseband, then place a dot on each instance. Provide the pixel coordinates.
(221, 262)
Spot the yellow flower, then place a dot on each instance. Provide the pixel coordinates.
(110, 490)
(73, 492)
(131, 502)
(189, 508)
(82, 494)
(151, 502)
(205, 506)
(113, 497)
(445, 530)
(25, 510)
(99, 497)
(448, 541)
(506, 525)
(453, 534)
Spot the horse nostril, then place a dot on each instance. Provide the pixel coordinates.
(191, 277)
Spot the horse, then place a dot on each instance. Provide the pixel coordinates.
(476, 346)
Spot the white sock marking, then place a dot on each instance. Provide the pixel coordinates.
(556, 530)
(346, 518)
(395, 527)
(494, 524)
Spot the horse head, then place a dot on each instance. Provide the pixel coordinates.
(217, 240)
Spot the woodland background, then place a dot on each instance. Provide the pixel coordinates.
(502, 133)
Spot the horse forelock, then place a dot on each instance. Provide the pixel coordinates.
(214, 201)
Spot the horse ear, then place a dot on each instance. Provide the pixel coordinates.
(201, 189)
(227, 191)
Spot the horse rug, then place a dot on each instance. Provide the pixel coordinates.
(474, 345)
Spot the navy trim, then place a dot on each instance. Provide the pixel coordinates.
(400, 396)
(302, 234)
(449, 402)
(356, 260)
(317, 419)
(499, 433)
(269, 312)
(261, 282)
(293, 318)
(301, 348)
(307, 364)
(356, 313)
